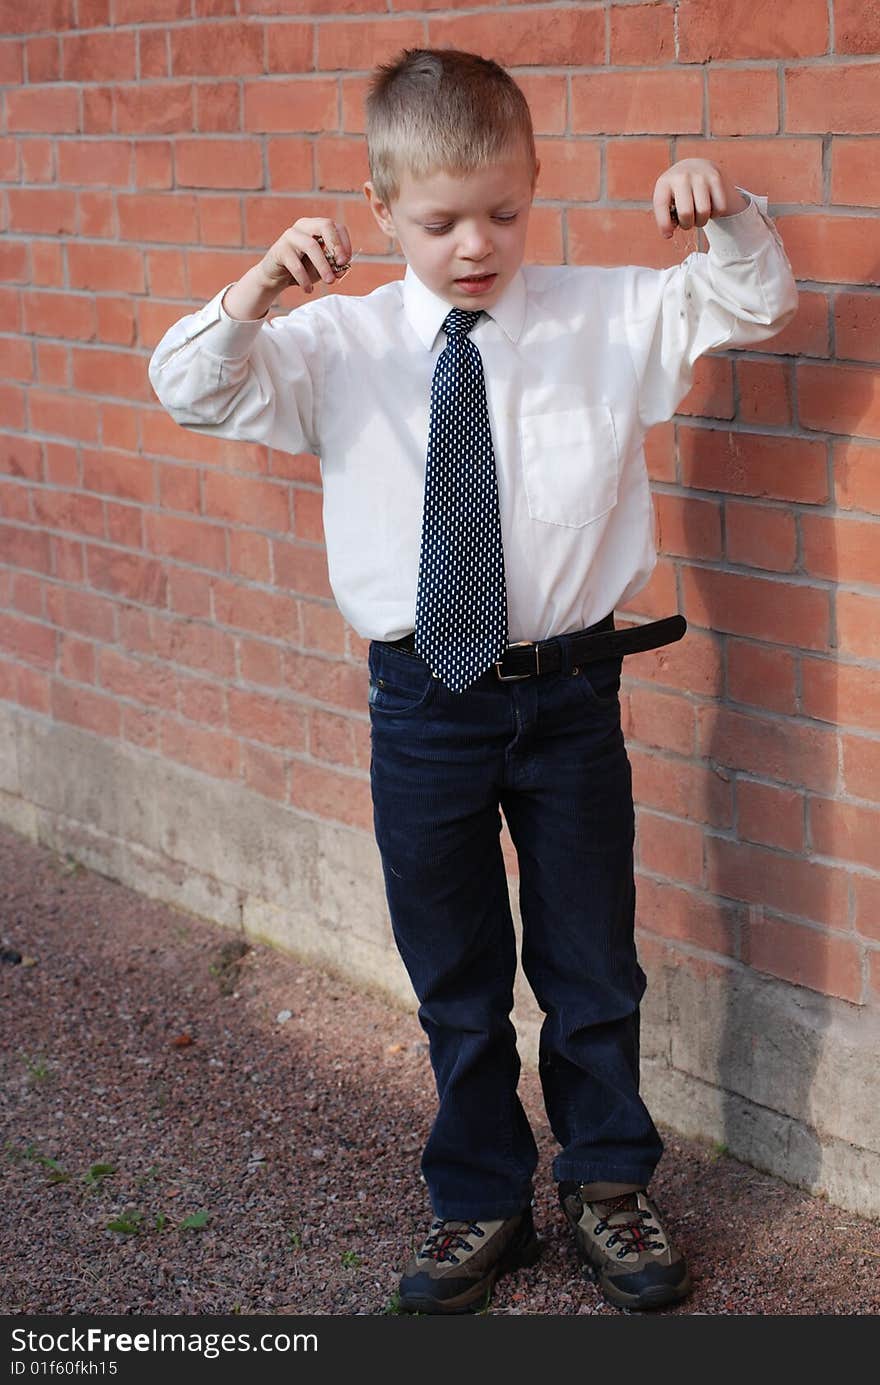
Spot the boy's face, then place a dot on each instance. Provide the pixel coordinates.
(453, 228)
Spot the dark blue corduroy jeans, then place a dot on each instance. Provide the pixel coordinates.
(550, 752)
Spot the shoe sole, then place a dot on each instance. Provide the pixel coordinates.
(481, 1293)
(658, 1297)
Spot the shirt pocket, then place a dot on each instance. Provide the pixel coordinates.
(571, 464)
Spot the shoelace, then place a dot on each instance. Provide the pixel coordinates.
(447, 1236)
(633, 1234)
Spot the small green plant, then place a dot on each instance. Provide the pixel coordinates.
(37, 1068)
(719, 1149)
(350, 1259)
(392, 1307)
(97, 1173)
(196, 1221)
(295, 1238)
(161, 1221)
(55, 1173)
(129, 1223)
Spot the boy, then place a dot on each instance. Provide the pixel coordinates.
(486, 507)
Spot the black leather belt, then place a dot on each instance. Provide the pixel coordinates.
(527, 658)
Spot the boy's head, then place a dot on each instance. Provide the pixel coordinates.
(453, 168)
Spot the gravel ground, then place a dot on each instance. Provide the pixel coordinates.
(154, 1071)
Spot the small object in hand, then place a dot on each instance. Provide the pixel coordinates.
(340, 270)
(673, 212)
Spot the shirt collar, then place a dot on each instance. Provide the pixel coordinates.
(427, 311)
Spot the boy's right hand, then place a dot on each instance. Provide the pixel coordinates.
(297, 257)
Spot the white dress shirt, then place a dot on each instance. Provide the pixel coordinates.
(579, 362)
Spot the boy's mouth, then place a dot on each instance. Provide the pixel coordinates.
(477, 281)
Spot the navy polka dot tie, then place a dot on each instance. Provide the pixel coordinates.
(461, 603)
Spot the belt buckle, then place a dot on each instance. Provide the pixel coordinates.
(516, 677)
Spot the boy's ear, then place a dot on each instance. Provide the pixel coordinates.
(379, 210)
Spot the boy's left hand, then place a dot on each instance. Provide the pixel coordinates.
(696, 189)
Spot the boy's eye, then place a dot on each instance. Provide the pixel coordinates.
(440, 230)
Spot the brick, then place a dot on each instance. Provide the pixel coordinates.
(246, 608)
(36, 161)
(273, 720)
(855, 169)
(35, 108)
(260, 663)
(244, 500)
(856, 26)
(213, 752)
(218, 163)
(250, 554)
(76, 660)
(867, 906)
(637, 103)
(151, 11)
(770, 816)
(686, 916)
(692, 665)
(189, 592)
(751, 31)
(642, 34)
(302, 568)
(12, 406)
(807, 333)
(290, 47)
(760, 536)
(84, 613)
(800, 755)
(845, 831)
(209, 269)
(570, 170)
(779, 612)
(159, 216)
(11, 62)
(656, 599)
(670, 848)
(842, 693)
(839, 99)
(857, 477)
(202, 701)
(103, 267)
(839, 399)
(765, 392)
(597, 237)
(331, 738)
(776, 880)
(300, 104)
(96, 215)
(116, 321)
(359, 44)
(775, 468)
(861, 767)
(660, 452)
(327, 680)
(633, 167)
(686, 790)
(127, 574)
(59, 315)
(688, 526)
(45, 211)
(97, 371)
(153, 53)
(789, 169)
(858, 625)
(153, 109)
(188, 540)
(217, 107)
(217, 49)
(547, 98)
(84, 707)
(323, 628)
(546, 38)
(28, 640)
(857, 326)
(743, 101)
(844, 550)
(16, 359)
(21, 456)
(64, 416)
(182, 642)
(824, 962)
(328, 794)
(81, 514)
(97, 57)
(661, 719)
(97, 110)
(144, 680)
(291, 165)
(711, 394)
(53, 367)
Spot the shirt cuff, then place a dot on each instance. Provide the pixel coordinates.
(744, 232)
(230, 338)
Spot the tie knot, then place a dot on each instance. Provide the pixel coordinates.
(460, 321)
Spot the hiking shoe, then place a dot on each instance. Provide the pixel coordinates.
(456, 1268)
(622, 1242)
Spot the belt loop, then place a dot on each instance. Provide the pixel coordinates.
(564, 653)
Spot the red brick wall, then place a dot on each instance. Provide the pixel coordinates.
(171, 591)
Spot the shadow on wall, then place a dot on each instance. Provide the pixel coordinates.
(776, 872)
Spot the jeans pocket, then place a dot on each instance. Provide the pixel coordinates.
(599, 681)
(400, 685)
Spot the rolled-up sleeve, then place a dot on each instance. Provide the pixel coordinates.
(259, 381)
(741, 292)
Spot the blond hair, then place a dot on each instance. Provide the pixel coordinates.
(433, 109)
